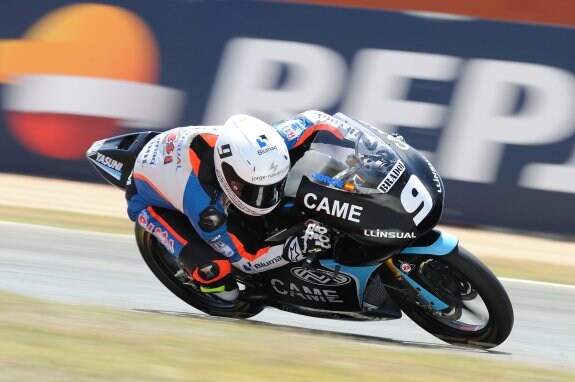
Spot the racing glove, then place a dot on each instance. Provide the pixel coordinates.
(314, 240)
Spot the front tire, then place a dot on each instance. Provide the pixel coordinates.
(459, 279)
(164, 267)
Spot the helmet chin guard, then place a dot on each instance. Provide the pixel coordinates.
(252, 162)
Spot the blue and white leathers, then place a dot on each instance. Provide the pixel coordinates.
(173, 171)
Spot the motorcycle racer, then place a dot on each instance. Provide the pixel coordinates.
(185, 180)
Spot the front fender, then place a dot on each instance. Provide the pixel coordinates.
(434, 242)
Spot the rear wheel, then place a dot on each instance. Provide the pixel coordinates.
(479, 311)
(164, 267)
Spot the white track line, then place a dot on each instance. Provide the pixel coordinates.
(537, 282)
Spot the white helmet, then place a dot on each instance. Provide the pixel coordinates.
(252, 163)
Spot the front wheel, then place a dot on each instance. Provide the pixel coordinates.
(478, 312)
(164, 267)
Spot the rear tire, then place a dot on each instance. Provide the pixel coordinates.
(482, 282)
(164, 267)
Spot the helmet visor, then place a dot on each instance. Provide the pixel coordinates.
(254, 195)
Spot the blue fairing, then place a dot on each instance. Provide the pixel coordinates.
(444, 245)
(360, 274)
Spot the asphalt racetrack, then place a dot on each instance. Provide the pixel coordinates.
(103, 269)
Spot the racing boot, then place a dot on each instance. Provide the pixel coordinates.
(216, 277)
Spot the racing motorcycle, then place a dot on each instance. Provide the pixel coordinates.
(382, 199)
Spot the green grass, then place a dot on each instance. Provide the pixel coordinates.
(531, 270)
(53, 342)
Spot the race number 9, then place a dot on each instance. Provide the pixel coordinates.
(414, 195)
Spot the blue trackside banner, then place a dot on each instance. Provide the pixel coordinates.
(489, 103)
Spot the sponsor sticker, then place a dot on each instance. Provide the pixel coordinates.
(342, 210)
(263, 141)
(109, 162)
(224, 151)
(391, 178)
(320, 277)
(294, 251)
(169, 146)
(388, 234)
(338, 183)
(149, 158)
(436, 179)
(406, 267)
(317, 117)
(222, 248)
(268, 263)
(267, 150)
(289, 131)
(161, 234)
(305, 293)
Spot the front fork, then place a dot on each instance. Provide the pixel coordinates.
(444, 244)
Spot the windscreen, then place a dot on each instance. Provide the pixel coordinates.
(360, 163)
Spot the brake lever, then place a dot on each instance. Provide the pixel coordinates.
(310, 258)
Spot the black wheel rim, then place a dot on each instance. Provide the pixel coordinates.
(467, 313)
